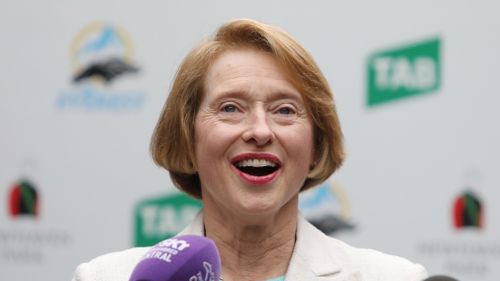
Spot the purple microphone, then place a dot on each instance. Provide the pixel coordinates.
(181, 258)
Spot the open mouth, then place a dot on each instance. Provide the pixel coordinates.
(257, 167)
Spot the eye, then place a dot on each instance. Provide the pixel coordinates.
(286, 110)
(229, 108)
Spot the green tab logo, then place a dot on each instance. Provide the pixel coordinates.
(403, 72)
(160, 218)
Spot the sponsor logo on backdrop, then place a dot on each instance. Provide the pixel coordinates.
(468, 252)
(23, 199)
(102, 59)
(162, 217)
(24, 241)
(467, 211)
(327, 207)
(405, 71)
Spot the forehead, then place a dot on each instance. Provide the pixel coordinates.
(244, 69)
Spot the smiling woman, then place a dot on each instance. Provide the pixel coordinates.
(301, 75)
(250, 122)
(234, 147)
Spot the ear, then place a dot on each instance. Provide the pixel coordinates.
(193, 163)
(314, 158)
(313, 164)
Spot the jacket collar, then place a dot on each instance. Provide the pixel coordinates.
(311, 259)
(195, 227)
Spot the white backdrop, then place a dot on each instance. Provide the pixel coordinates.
(408, 160)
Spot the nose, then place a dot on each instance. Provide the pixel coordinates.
(258, 130)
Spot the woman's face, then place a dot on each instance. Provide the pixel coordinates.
(253, 135)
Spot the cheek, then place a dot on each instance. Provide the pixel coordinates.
(299, 142)
(212, 139)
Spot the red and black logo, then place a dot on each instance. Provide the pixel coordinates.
(23, 199)
(467, 211)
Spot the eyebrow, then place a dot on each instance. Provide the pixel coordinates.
(276, 95)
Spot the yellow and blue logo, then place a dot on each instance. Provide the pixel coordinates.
(100, 55)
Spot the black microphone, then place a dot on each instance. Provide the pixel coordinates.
(440, 278)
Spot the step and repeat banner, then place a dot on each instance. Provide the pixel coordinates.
(83, 82)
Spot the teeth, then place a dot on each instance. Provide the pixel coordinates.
(255, 163)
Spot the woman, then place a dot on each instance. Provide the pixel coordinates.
(250, 122)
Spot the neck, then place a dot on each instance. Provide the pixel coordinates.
(256, 248)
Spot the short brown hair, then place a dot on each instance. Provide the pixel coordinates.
(172, 144)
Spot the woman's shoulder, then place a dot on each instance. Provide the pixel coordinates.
(111, 266)
(368, 263)
(378, 265)
(359, 254)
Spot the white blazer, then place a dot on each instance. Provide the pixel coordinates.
(316, 257)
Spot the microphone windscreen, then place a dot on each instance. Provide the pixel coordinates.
(181, 258)
(440, 278)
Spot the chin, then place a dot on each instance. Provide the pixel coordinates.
(260, 208)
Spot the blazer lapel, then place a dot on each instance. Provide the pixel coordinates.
(312, 259)
(195, 227)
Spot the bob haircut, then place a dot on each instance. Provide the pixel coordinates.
(172, 143)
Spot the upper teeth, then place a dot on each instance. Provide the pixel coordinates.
(255, 163)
